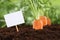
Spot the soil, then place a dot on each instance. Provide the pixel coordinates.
(26, 32)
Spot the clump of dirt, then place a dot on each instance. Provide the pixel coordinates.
(26, 32)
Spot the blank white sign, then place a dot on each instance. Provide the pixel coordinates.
(14, 19)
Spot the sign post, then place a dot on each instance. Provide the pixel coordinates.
(17, 28)
(14, 19)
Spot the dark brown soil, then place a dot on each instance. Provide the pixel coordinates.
(27, 33)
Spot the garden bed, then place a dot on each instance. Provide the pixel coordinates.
(27, 33)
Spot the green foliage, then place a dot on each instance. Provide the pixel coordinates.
(7, 6)
(32, 9)
(35, 8)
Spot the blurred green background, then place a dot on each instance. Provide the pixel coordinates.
(31, 9)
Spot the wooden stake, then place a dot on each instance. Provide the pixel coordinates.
(17, 29)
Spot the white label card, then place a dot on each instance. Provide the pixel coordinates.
(14, 18)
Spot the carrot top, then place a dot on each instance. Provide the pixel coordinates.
(37, 24)
(44, 20)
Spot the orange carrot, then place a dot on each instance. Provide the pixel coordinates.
(37, 24)
(48, 21)
(44, 20)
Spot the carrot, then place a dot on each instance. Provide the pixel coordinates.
(44, 20)
(48, 21)
(37, 24)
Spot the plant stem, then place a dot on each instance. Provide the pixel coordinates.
(33, 8)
